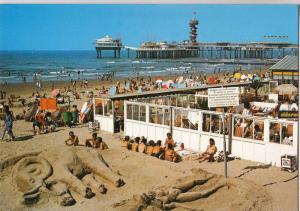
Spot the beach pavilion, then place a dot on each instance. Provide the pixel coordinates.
(286, 71)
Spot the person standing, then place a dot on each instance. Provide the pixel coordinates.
(8, 124)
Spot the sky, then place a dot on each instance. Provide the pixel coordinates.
(75, 27)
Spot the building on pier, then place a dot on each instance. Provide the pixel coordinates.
(107, 43)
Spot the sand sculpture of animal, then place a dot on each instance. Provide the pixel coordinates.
(163, 198)
(62, 170)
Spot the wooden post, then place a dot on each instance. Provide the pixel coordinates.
(230, 134)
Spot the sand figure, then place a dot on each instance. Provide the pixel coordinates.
(167, 198)
(62, 170)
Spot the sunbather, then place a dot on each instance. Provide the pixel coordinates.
(169, 140)
(142, 146)
(210, 151)
(157, 149)
(92, 142)
(125, 142)
(101, 144)
(72, 140)
(134, 146)
(150, 147)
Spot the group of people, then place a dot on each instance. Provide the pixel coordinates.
(163, 152)
(94, 142)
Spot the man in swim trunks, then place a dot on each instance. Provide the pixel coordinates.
(92, 142)
(210, 151)
(142, 146)
(101, 144)
(169, 140)
(72, 140)
(157, 149)
(134, 146)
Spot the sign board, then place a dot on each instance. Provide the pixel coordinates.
(223, 97)
(288, 114)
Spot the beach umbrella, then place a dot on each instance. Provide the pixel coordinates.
(55, 92)
(286, 89)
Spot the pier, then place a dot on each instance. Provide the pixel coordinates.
(107, 43)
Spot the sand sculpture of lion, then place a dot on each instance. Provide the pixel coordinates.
(59, 171)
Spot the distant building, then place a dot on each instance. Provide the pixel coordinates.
(286, 71)
(108, 43)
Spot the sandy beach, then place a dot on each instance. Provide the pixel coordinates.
(259, 189)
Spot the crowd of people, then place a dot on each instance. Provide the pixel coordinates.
(163, 152)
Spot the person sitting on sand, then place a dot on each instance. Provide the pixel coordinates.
(169, 140)
(157, 149)
(92, 142)
(150, 147)
(134, 146)
(72, 140)
(210, 151)
(101, 144)
(40, 121)
(170, 154)
(125, 142)
(142, 146)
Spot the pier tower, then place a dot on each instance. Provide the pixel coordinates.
(193, 31)
(107, 43)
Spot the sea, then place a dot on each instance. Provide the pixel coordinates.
(27, 66)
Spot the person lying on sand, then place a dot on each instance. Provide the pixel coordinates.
(150, 147)
(91, 142)
(134, 146)
(209, 153)
(125, 142)
(157, 149)
(142, 146)
(72, 140)
(101, 144)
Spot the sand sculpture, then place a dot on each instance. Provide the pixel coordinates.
(62, 170)
(168, 198)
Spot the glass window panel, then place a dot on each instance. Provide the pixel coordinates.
(143, 113)
(193, 118)
(274, 132)
(129, 111)
(173, 101)
(287, 134)
(238, 129)
(216, 123)
(185, 102)
(179, 101)
(167, 116)
(135, 112)
(206, 123)
(247, 128)
(160, 115)
(99, 106)
(177, 117)
(258, 130)
(184, 119)
(107, 108)
(152, 114)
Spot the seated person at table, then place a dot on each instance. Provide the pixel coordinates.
(258, 134)
(170, 154)
(142, 146)
(101, 144)
(210, 151)
(150, 147)
(157, 149)
(169, 140)
(134, 146)
(72, 140)
(125, 142)
(92, 142)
